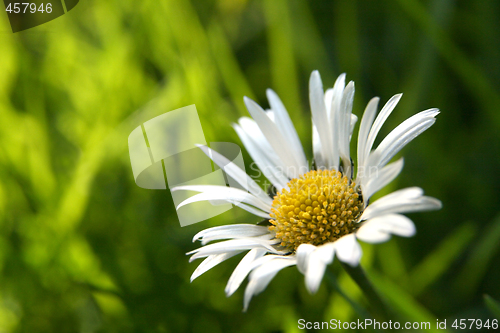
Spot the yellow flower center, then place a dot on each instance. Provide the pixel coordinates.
(319, 207)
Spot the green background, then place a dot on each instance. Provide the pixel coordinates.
(83, 249)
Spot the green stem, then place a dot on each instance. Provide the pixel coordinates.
(378, 304)
(358, 308)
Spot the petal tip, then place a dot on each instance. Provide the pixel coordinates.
(438, 203)
(315, 78)
(269, 92)
(247, 100)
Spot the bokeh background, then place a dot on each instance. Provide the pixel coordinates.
(83, 249)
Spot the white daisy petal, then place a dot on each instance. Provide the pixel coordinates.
(402, 201)
(250, 209)
(396, 224)
(241, 271)
(317, 150)
(364, 130)
(380, 179)
(262, 275)
(271, 115)
(250, 127)
(233, 245)
(236, 173)
(337, 92)
(379, 121)
(335, 117)
(348, 250)
(212, 261)
(371, 234)
(230, 231)
(354, 119)
(318, 260)
(345, 126)
(303, 252)
(270, 257)
(328, 101)
(401, 136)
(372, 231)
(274, 137)
(320, 117)
(214, 192)
(407, 193)
(254, 133)
(286, 127)
(265, 164)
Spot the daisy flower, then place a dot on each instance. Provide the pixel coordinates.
(316, 213)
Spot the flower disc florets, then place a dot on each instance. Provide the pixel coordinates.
(319, 207)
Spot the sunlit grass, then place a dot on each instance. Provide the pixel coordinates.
(82, 248)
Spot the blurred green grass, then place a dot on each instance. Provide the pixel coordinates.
(83, 249)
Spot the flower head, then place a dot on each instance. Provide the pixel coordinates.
(317, 212)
